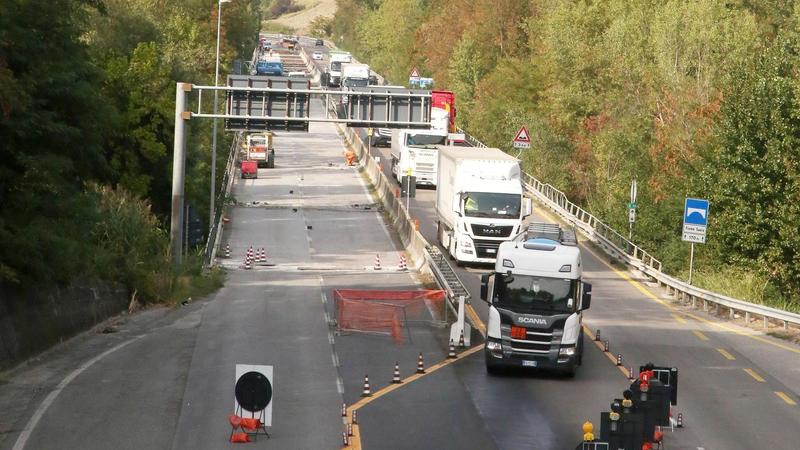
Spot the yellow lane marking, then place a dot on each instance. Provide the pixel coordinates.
(476, 320)
(726, 354)
(653, 297)
(679, 318)
(700, 335)
(602, 348)
(355, 440)
(755, 376)
(785, 398)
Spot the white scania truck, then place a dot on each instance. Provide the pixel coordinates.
(479, 202)
(334, 72)
(536, 302)
(417, 151)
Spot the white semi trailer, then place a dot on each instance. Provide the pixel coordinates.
(536, 301)
(417, 151)
(479, 202)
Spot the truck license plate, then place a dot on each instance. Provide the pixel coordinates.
(528, 363)
(491, 250)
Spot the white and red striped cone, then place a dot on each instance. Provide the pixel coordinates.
(420, 364)
(247, 263)
(366, 392)
(263, 255)
(345, 440)
(679, 421)
(461, 339)
(403, 264)
(619, 359)
(349, 429)
(377, 265)
(631, 376)
(228, 251)
(396, 375)
(344, 409)
(355, 417)
(451, 352)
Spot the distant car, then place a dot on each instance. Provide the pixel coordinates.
(381, 136)
(319, 43)
(316, 55)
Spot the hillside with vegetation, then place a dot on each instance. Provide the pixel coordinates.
(694, 99)
(87, 104)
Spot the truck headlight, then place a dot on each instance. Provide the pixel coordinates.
(566, 351)
(494, 347)
(466, 243)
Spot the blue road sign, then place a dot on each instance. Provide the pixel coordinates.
(695, 212)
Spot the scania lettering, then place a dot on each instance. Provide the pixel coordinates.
(536, 302)
(479, 202)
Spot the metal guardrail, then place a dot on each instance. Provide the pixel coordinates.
(620, 247)
(214, 235)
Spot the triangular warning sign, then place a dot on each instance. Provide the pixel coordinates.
(414, 73)
(522, 135)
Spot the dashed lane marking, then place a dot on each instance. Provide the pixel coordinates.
(679, 318)
(700, 335)
(726, 354)
(786, 398)
(755, 376)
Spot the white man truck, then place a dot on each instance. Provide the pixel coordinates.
(334, 72)
(354, 75)
(417, 151)
(479, 202)
(536, 302)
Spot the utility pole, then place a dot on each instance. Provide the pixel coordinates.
(179, 170)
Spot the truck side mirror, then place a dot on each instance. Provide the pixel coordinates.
(586, 300)
(457, 204)
(485, 287)
(527, 207)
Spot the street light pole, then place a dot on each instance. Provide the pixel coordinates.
(211, 209)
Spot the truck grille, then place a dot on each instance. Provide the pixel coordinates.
(493, 231)
(425, 167)
(486, 249)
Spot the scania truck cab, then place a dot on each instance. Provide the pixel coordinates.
(536, 302)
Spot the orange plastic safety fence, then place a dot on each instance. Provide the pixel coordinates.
(384, 312)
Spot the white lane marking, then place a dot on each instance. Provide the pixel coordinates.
(340, 385)
(335, 360)
(51, 397)
(330, 338)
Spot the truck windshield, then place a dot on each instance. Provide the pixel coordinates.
(336, 66)
(491, 204)
(424, 139)
(530, 293)
(356, 82)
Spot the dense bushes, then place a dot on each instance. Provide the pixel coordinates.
(690, 98)
(86, 111)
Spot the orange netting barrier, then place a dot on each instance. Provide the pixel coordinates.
(385, 312)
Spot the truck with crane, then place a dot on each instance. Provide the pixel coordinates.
(536, 301)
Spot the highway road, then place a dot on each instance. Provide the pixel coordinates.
(164, 378)
(739, 388)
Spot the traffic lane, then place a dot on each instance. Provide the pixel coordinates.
(150, 370)
(375, 354)
(435, 411)
(266, 318)
(643, 330)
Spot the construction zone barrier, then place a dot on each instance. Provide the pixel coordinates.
(386, 312)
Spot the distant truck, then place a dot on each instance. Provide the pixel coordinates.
(479, 202)
(334, 72)
(415, 150)
(536, 301)
(260, 150)
(354, 75)
(270, 65)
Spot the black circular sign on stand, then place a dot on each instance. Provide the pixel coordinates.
(253, 391)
